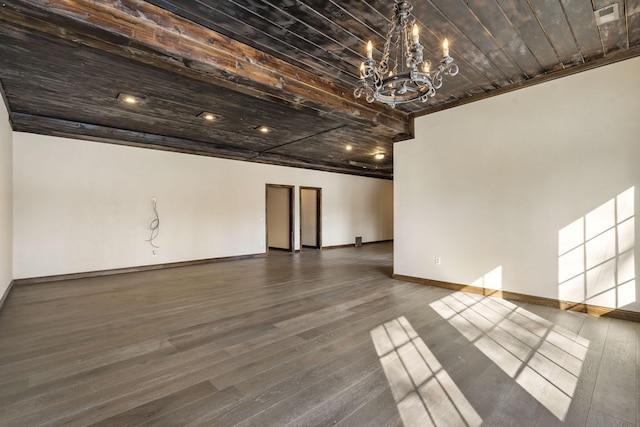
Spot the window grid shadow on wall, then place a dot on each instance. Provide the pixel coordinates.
(596, 259)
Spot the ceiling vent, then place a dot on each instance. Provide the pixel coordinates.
(607, 14)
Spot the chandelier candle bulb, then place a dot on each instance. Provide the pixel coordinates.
(445, 48)
(416, 34)
(369, 50)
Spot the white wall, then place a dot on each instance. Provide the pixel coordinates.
(6, 200)
(83, 206)
(494, 187)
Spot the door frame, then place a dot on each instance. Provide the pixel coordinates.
(318, 191)
(291, 189)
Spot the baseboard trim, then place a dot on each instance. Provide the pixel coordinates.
(6, 293)
(351, 245)
(99, 273)
(338, 246)
(595, 310)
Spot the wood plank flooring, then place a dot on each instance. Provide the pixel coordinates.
(316, 338)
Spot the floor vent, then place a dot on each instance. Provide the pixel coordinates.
(607, 14)
(359, 241)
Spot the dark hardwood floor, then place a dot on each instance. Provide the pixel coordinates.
(315, 338)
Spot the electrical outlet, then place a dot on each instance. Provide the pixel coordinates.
(438, 260)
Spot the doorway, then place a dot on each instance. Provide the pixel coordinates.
(310, 217)
(279, 205)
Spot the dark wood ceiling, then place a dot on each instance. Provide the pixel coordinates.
(290, 65)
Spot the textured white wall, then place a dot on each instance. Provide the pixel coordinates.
(6, 200)
(83, 206)
(491, 186)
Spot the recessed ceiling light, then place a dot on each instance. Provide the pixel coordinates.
(379, 156)
(348, 148)
(129, 99)
(207, 116)
(264, 129)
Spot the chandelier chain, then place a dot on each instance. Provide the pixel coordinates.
(384, 62)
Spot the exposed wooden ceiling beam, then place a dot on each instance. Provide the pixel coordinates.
(146, 33)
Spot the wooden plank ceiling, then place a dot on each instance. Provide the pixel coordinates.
(289, 65)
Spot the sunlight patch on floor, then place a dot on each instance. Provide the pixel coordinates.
(544, 359)
(424, 392)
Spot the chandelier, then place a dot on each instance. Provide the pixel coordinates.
(392, 86)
